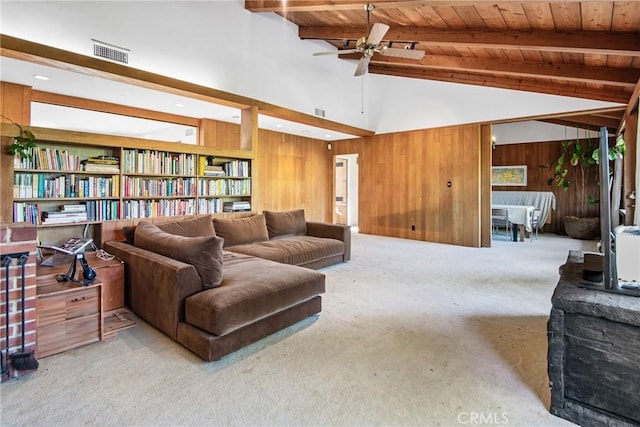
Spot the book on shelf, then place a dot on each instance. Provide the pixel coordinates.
(73, 208)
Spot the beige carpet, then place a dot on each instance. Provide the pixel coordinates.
(411, 333)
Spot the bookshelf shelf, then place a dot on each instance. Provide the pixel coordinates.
(139, 182)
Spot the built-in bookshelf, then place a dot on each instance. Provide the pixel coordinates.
(55, 185)
(83, 183)
(224, 185)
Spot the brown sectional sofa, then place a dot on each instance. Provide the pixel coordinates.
(216, 285)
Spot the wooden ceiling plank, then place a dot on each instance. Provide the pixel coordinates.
(451, 17)
(539, 15)
(578, 73)
(525, 84)
(470, 17)
(431, 18)
(592, 42)
(492, 17)
(626, 16)
(597, 15)
(513, 16)
(566, 16)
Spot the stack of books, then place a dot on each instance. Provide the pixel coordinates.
(101, 164)
(213, 171)
(236, 206)
(66, 214)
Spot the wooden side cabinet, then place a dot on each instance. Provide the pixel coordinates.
(69, 316)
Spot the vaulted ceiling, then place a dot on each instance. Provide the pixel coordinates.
(585, 49)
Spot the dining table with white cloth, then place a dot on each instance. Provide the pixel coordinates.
(519, 216)
(543, 200)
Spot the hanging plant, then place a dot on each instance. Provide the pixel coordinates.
(23, 143)
(576, 166)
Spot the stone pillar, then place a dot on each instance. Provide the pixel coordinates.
(17, 238)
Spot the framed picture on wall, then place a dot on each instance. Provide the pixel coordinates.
(509, 175)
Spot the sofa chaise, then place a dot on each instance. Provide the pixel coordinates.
(216, 285)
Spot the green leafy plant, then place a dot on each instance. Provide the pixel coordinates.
(23, 143)
(575, 166)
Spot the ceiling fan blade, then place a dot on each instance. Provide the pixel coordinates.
(377, 33)
(336, 52)
(363, 66)
(402, 53)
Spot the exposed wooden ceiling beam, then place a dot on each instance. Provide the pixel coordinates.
(596, 121)
(576, 124)
(624, 77)
(281, 6)
(524, 83)
(590, 42)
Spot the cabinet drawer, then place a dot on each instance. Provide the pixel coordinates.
(56, 308)
(69, 318)
(84, 302)
(56, 338)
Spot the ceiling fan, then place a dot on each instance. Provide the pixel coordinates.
(372, 44)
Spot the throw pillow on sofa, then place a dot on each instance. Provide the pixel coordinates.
(204, 252)
(285, 223)
(241, 231)
(195, 227)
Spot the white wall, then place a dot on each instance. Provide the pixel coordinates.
(535, 131)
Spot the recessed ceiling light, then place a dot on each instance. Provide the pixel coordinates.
(179, 105)
(40, 77)
(278, 125)
(327, 136)
(305, 131)
(235, 117)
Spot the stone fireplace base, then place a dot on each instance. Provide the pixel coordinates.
(594, 352)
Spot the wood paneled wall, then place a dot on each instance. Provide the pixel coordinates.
(219, 135)
(403, 182)
(543, 153)
(292, 172)
(15, 104)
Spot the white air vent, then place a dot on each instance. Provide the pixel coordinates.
(319, 112)
(110, 52)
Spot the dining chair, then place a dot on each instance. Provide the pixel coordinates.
(500, 218)
(535, 223)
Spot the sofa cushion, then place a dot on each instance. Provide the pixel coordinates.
(196, 227)
(240, 231)
(286, 223)
(252, 289)
(204, 252)
(298, 250)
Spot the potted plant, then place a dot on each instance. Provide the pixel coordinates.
(23, 142)
(576, 166)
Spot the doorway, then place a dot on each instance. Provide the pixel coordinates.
(345, 202)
